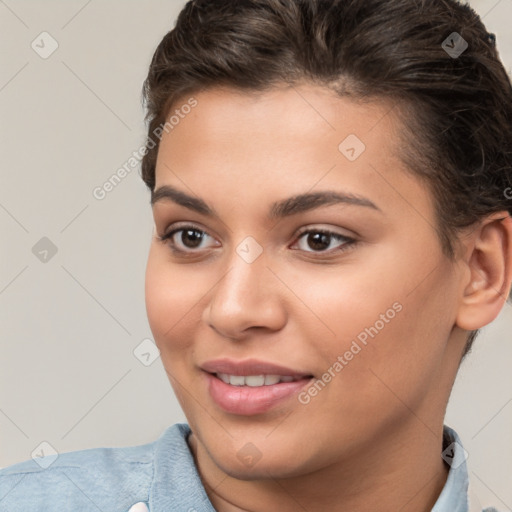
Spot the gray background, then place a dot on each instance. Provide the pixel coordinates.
(69, 326)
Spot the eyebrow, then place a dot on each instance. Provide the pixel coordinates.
(292, 206)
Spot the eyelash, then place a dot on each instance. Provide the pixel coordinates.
(166, 239)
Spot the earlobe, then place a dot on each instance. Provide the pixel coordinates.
(490, 273)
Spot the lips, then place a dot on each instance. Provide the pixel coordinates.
(251, 386)
(252, 367)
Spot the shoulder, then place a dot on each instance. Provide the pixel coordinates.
(95, 478)
(110, 479)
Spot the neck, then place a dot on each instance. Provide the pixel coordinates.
(399, 471)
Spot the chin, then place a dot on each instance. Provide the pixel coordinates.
(262, 470)
(249, 463)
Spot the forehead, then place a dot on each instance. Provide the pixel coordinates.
(287, 112)
(287, 121)
(243, 146)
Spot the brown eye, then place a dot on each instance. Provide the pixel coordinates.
(186, 239)
(191, 238)
(321, 241)
(318, 241)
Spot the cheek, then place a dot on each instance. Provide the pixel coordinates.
(402, 361)
(345, 302)
(389, 326)
(172, 297)
(172, 305)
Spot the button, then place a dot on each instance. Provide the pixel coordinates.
(139, 507)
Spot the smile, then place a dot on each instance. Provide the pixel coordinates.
(254, 380)
(248, 395)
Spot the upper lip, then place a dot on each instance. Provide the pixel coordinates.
(250, 367)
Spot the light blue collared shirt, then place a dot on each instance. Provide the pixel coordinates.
(160, 476)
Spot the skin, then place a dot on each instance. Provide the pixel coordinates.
(372, 438)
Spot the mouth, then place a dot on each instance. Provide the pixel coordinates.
(256, 372)
(248, 395)
(258, 380)
(252, 386)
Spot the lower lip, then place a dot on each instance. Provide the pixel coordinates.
(248, 400)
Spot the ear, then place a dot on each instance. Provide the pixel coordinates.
(489, 267)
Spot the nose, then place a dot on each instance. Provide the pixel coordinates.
(248, 296)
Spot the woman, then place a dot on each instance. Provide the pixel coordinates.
(331, 187)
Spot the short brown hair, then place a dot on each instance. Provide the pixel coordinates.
(456, 109)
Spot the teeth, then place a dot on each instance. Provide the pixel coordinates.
(254, 380)
(237, 380)
(271, 379)
(224, 377)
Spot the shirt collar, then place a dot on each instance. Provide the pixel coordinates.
(176, 482)
(456, 495)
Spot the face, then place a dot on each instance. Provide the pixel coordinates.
(345, 289)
